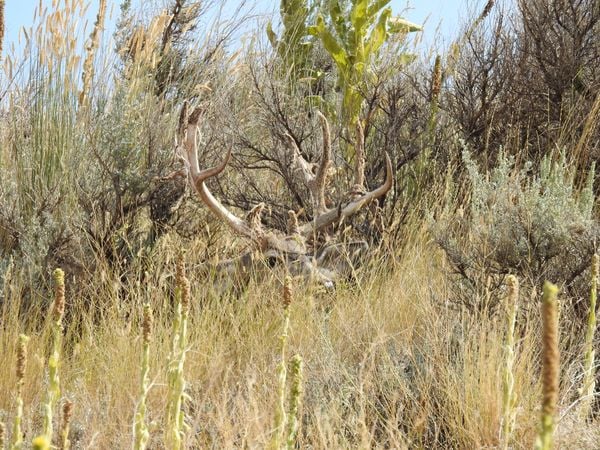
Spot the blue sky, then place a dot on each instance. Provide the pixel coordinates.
(445, 14)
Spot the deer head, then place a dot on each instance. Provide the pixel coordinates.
(298, 247)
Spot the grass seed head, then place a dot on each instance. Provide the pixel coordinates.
(436, 82)
(287, 292)
(67, 412)
(58, 310)
(21, 358)
(147, 323)
(185, 293)
(551, 357)
(2, 434)
(1, 26)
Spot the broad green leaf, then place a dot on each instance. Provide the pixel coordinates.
(271, 35)
(400, 25)
(378, 34)
(358, 15)
(331, 44)
(317, 29)
(337, 18)
(376, 7)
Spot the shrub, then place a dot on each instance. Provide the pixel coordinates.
(536, 226)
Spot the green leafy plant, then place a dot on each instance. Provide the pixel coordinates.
(293, 46)
(353, 36)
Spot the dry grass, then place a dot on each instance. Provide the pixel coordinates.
(384, 366)
(387, 362)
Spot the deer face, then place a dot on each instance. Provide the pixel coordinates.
(322, 264)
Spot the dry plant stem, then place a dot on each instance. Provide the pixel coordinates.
(65, 443)
(17, 433)
(280, 413)
(551, 366)
(294, 402)
(175, 416)
(53, 391)
(91, 48)
(591, 124)
(436, 89)
(508, 397)
(586, 393)
(141, 434)
(457, 46)
(1, 26)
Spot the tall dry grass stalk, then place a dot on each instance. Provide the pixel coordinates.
(67, 413)
(176, 427)
(508, 383)
(141, 434)
(550, 368)
(436, 90)
(580, 157)
(1, 27)
(277, 439)
(586, 393)
(17, 432)
(457, 46)
(91, 48)
(53, 390)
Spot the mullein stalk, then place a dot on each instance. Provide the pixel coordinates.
(280, 414)
(140, 429)
(550, 368)
(17, 433)
(508, 385)
(53, 391)
(65, 443)
(2, 435)
(175, 416)
(294, 401)
(586, 393)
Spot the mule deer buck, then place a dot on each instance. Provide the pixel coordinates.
(300, 249)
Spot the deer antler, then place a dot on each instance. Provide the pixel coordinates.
(198, 177)
(315, 182)
(359, 175)
(352, 207)
(251, 228)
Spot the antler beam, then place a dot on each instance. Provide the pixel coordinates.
(351, 208)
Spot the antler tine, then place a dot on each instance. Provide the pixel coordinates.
(351, 208)
(302, 165)
(359, 175)
(198, 177)
(315, 182)
(320, 180)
